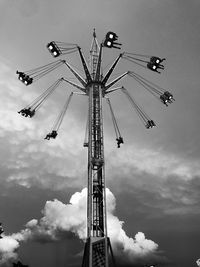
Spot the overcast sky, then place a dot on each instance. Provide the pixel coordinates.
(153, 179)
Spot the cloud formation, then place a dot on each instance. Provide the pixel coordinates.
(24, 150)
(172, 179)
(26, 159)
(59, 218)
(8, 248)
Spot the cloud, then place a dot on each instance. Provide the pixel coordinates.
(26, 159)
(24, 152)
(8, 248)
(156, 162)
(59, 218)
(173, 180)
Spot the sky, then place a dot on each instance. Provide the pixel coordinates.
(153, 180)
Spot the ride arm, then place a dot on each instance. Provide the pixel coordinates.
(81, 80)
(87, 73)
(111, 70)
(113, 90)
(115, 81)
(74, 84)
(98, 69)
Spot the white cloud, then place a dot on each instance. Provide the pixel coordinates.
(59, 218)
(8, 247)
(31, 161)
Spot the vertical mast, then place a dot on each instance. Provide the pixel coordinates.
(94, 53)
(96, 249)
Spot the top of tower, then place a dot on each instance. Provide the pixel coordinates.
(94, 53)
(94, 33)
(94, 46)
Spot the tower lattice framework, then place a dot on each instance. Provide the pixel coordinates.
(97, 246)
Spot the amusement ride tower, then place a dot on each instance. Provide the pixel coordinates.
(98, 250)
(97, 244)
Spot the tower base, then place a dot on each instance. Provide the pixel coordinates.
(95, 253)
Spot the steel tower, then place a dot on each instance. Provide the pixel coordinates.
(97, 245)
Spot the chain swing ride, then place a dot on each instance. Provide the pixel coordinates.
(98, 251)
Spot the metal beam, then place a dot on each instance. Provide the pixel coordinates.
(111, 69)
(98, 70)
(74, 84)
(113, 90)
(81, 80)
(87, 73)
(115, 81)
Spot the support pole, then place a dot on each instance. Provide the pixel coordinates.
(96, 246)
